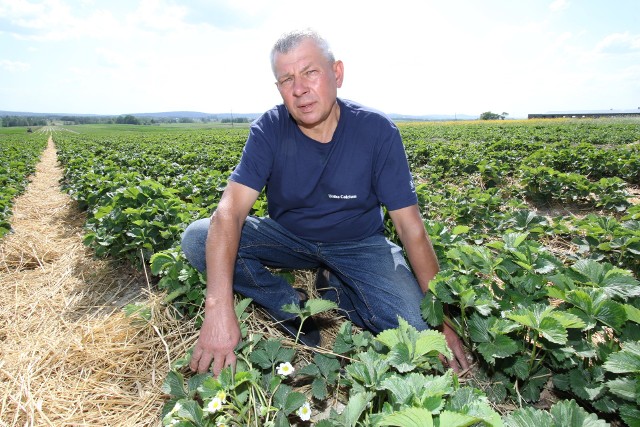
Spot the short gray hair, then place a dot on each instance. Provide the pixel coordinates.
(292, 39)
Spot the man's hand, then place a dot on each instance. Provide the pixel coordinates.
(459, 363)
(219, 335)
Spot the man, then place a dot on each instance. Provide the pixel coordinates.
(328, 166)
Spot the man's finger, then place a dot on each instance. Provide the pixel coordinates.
(204, 362)
(230, 361)
(218, 364)
(453, 364)
(462, 358)
(195, 358)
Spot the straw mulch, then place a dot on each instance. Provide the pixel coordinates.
(68, 354)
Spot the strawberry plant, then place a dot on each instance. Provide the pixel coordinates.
(19, 154)
(542, 301)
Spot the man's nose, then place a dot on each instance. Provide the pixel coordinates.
(300, 86)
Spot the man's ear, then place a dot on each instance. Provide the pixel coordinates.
(338, 70)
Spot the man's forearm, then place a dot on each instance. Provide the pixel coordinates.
(221, 253)
(423, 261)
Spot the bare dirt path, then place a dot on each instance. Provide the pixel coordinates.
(68, 354)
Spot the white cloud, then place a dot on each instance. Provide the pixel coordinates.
(14, 66)
(559, 5)
(619, 43)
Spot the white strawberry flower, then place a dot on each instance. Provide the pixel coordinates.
(304, 412)
(285, 369)
(214, 406)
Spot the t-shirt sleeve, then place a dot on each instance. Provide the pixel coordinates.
(393, 180)
(256, 162)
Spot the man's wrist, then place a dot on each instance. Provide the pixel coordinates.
(218, 303)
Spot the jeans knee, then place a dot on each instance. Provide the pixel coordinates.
(193, 243)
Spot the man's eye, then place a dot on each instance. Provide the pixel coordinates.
(312, 73)
(286, 81)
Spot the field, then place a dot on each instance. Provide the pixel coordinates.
(536, 225)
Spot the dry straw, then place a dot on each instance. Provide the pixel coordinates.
(69, 356)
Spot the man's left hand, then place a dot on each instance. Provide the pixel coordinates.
(459, 362)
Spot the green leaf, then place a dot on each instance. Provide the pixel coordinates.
(174, 385)
(432, 309)
(261, 358)
(474, 403)
(195, 382)
(533, 385)
(633, 313)
(614, 281)
(552, 329)
(242, 306)
(317, 306)
(294, 401)
(369, 369)
(159, 261)
(597, 307)
(319, 388)
(567, 413)
(344, 339)
(627, 360)
(625, 388)
(518, 367)
(500, 347)
(416, 387)
(479, 328)
(403, 387)
(583, 386)
(568, 320)
(209, 387)
(411, 417)
(630, 414)
(460, 229)
(190, 410)
(355, 406)
(456, 419)
(328, 365)
(431, 342)
(529, 417)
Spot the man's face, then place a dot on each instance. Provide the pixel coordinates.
(308, 83)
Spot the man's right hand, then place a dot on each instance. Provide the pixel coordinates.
(219, 335)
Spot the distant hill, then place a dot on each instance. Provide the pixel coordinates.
(432, 117)
(193, 115)
(25, 113)
(220, 116)
(160, 115)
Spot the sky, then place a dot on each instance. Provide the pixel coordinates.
(415, 57)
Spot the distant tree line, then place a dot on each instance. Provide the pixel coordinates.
(488, 115)
(13, 121)
(236, 120)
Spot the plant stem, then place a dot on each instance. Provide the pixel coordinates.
(533, 352)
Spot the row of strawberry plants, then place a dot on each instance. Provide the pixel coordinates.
(596, 132)
(393, 379)
(185, 285)
(19, 154)
(485, 213)
(141, 191)
(505, 158)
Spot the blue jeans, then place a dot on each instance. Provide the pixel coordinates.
(370, 280)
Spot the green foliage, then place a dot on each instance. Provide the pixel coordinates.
(19, 154)
(540, 301)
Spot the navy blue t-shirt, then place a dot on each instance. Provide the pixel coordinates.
(328, 192)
